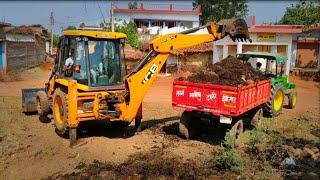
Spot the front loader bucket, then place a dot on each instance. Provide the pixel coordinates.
(29, 103)
(237, 29)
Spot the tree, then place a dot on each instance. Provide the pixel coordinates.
(70, 28)
(128, 28)
(55, 39)
(133, 5)
(214, 10)
(303, 13)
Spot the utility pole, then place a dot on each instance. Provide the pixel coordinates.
(112, 16)
(51, 30)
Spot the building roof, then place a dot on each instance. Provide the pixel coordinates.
(26, 30)
(170, 10)
(286, 29)
(4, 24)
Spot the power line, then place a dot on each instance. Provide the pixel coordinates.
(104, 20)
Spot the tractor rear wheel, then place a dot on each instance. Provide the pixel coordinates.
(43, 105)
(60, 112)
(292, 100)
(187, 125)
(273, 107)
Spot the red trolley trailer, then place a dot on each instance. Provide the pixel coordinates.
(226, 103)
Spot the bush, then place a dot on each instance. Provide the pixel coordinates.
(2, 135)
(255, 138)
(229, 160)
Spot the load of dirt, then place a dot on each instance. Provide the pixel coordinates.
(132, 53)
(229, 71)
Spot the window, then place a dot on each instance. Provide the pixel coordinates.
(67, 46)
(105, 65)
(80, 60)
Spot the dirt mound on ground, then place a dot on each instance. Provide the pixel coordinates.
(229, 71)
(151, 165)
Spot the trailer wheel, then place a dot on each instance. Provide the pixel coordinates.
(187, 127)
(234, 133)
(60, 112)
(273, 107)
(257, 118)
(292, 100)
(43, 106)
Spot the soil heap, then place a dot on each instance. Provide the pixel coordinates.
(229, 71)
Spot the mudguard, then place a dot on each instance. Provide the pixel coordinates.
(29, 103)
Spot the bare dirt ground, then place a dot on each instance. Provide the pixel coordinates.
(30, 149)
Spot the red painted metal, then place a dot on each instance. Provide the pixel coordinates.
(218, 99)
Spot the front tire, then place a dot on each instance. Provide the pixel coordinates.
(292, 100)
(60, 112)
(273, 107)
(43, 106)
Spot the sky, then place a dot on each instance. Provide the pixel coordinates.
(91, 12)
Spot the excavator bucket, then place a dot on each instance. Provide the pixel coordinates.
(29, 102)
(237, 29)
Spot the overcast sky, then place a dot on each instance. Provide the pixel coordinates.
(73, 12)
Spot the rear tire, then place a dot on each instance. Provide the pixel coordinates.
(187, 125)
(292, 100)
(273, 107)
(60, 112)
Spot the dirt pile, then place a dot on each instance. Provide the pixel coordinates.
(229, 71)
(151, 165)
(132, 53)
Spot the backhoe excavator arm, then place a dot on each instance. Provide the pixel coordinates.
(139, 81)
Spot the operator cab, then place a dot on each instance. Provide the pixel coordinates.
(92, 57)
(270, 64)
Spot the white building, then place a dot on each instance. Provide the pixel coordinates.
(266, 38)
(158, 17)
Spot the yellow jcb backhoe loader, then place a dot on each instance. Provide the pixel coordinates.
(90, 82)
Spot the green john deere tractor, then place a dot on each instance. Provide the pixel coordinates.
(274, 67)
